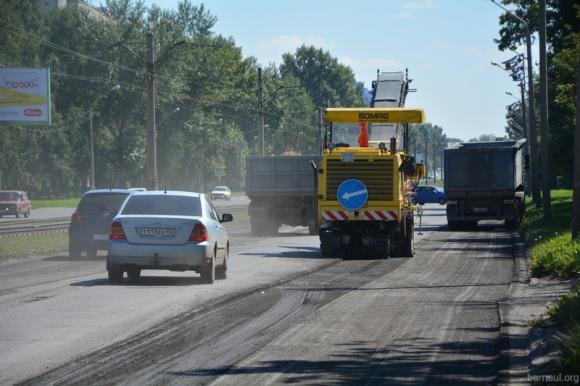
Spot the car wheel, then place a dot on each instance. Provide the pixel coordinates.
(115, 273)
(74, 250)
(222, 270)
(442, 201)
(208, 272)
(134, 273)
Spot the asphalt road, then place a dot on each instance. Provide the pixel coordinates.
(283, 315)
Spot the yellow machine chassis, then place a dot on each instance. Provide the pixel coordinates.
(399, 205)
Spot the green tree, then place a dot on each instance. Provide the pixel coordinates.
(563, 29)
(329, 83)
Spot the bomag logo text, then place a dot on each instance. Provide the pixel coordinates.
(373, 116)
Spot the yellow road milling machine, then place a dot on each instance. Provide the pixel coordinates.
(363, 200)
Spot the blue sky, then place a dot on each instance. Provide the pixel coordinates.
(447, 45)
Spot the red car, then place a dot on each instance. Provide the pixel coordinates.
(14, 202)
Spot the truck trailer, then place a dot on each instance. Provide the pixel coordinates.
(484, 181)
(282, 190)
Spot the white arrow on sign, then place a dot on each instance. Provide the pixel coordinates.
(348, 195)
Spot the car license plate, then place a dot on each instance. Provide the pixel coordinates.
(100, 236)
(157, 233)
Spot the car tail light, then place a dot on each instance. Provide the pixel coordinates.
(199, 233)
(76, 218)
(116, 231)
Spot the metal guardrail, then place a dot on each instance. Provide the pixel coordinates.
(30, 227)
(18, 228)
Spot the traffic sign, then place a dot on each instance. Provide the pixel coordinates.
(352, 194)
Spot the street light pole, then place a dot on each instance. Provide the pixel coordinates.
(151, 165)
(546, 175)
(532, 113)
(92, 141)
(261, 111)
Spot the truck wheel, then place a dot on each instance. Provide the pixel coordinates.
(312, 229)
(326, 249)
(115, 273)
(454, 225)
(515, 222)
(386, 249)
(133, 273)
(74, 250)
(409, 241)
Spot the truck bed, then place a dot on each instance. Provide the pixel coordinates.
(280, 175)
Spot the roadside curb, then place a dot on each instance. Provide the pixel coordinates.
(523, 349)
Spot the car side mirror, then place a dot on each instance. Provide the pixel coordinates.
(226, 217)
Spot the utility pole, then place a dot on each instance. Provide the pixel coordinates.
(546, 177)
(576, 181)
(260, 111)
(92, 142)
(321, 133)
(534, 164)
(151, 163)
(526, 133)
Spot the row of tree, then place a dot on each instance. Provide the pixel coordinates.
(207, 104)
(563, 39)
(207, 108)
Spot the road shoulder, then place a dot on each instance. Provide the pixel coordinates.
(526, 351)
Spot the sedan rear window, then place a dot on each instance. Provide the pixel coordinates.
(97, 203)
(163, 205)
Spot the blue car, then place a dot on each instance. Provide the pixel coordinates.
(429, 194)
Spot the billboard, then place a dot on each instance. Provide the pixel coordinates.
(25, 96)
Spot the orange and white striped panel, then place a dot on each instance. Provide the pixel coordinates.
(380, 215)
(334, 215)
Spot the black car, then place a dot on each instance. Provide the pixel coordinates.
(89, 227)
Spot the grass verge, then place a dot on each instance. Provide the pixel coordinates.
(566, 313)
(56, 203)
(554, 253)
(35, 245)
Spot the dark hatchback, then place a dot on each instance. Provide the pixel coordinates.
(89, 227)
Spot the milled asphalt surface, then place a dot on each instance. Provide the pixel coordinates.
(286, 315)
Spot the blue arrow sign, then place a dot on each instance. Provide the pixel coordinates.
(352, 194)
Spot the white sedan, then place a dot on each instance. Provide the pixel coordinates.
(222, 192)
(168, 230)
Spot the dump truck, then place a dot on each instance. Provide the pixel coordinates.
(363, 198)
(282, 190)
(484, 181)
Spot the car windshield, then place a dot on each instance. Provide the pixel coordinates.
(96, 203)
(8, 196)
(163, 205)
(221, 189)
